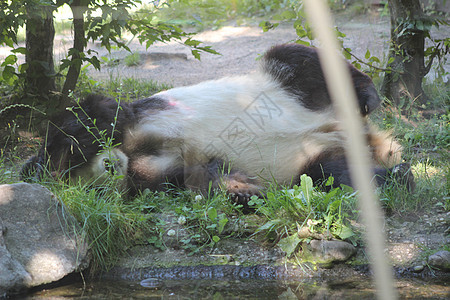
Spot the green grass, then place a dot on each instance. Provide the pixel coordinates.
(110, 224)
(132, 60)
(424, 133)
(128, 89)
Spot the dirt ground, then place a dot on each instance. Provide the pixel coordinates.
(239, 47)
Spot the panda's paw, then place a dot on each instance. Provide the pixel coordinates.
(401, 175)
(241, 192)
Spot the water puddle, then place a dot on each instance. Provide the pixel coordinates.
(238, 289)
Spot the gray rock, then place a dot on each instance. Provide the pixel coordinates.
(440, 260)
(12, 273)
(328, 252)
(39, 243)
(418, 268)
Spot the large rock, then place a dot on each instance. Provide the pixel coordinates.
(440, 260)
(40, 241)
(326, 252)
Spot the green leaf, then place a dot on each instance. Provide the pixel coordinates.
(330, 181)
(212, 213)
(306, 43)
(23, 67)
(269, 225)
(192, 43)
(9, 60)
(347, 55)
(306, 184)
(8, 73)
(21, 50)
(375, 59)
(334, 205)
(367, 56)
(215, 238)
(95, 62)
(196, 54)
(289, 244)
(343, 232)
(266, 25)
(222, 223)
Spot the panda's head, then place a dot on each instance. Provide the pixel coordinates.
(82, 141)
(106, 167)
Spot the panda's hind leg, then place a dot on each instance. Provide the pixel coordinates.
(326, 165)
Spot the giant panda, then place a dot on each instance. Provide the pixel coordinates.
(238, 133)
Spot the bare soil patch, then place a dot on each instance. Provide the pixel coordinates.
(239, 47)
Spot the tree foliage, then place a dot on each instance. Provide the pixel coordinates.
(410, 29)
(93, 20)
(412, 53)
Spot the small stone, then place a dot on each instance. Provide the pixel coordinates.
(151, 283)
(418, 269)
(440, 260)
(326, 252)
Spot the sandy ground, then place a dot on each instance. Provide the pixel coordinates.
(239, 47)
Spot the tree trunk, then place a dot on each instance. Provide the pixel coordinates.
(406, 54)
(40, 32)
(79, 43)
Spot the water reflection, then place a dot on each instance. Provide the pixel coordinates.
(238, 289)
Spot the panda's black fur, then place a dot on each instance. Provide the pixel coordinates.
(237, 132)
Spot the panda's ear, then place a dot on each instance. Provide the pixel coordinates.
(368, 99)
(366, 92)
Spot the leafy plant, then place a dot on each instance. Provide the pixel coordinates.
(304, 212)
(133, 59)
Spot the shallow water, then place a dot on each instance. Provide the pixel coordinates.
(238, 289)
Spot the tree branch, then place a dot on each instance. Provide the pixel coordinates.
(370, 65)
(430, 62)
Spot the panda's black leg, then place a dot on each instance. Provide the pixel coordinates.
(321, 169)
